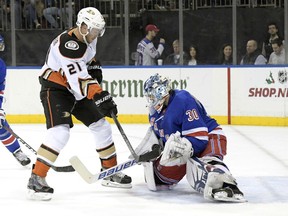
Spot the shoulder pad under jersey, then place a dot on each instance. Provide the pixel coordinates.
(71, 48)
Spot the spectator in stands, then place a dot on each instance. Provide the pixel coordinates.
(33, 9)
(6, 8)
(193, 54)
(273, 33)
(225, 55)
(146, 51)
(278, 54)
(53, 10)
(174, 58)
(253, 55)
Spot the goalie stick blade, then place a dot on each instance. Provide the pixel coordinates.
(90, 178)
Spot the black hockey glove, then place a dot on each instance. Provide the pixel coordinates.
(95, 71)
(105, 103)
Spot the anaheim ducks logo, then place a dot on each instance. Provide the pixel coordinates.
(72, 45)
(65, 114)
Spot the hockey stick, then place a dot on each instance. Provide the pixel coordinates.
(156, 150)
(136, 157)
(91, 178)
(56, 168)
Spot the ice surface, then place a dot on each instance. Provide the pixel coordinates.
(257, 157)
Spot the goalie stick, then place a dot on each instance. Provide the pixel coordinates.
(91, 178)
(156, 150)
(56, 168)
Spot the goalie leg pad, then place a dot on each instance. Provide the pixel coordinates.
(196, 174)
(149, 176)
(165, 179)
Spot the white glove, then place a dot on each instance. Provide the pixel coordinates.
(177, 150)
(2, 118)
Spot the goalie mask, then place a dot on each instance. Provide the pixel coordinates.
(156, 90)
(2, 43)
(93, 19)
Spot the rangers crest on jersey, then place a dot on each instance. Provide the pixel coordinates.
(72, 45)
(282, 76)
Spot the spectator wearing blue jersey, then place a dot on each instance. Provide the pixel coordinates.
(146, 51)
(193, 144)
(8, 140)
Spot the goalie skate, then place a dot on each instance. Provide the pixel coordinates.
(38, 189)
(118, 180)
(229, 193)
(222, 187)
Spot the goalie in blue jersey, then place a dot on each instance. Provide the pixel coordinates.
(193, 144)
(8, 140)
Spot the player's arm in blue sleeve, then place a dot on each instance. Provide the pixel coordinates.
(2, 80)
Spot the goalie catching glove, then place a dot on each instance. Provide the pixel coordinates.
(105, 104)
(177, 150)
(95, 70)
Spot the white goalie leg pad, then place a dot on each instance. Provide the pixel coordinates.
(196, 174)
(217, 176)
(57, 137)
(149, 176)
(102, 133)
(177, 150)
(147, 143)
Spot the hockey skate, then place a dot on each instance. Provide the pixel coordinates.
(118, 180)
(228, 193)
(21, 157)
(38, 189)
(222, 187)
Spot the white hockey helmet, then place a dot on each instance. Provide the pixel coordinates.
(156, 89)
(92, 18)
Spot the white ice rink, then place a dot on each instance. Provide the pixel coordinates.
(257, 157)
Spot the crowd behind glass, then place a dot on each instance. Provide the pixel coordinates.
(60, 15)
